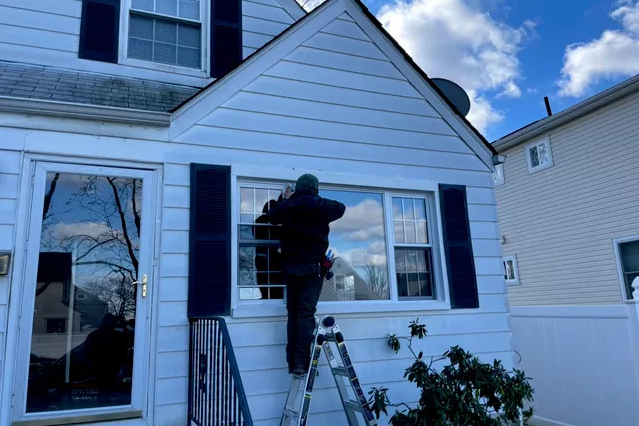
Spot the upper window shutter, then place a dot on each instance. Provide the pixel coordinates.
(458, 247)
(226, 36)
(210, 241)
(99, 30)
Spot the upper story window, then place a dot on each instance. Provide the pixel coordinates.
(628, 257)
(166, 31)
(498, 175)
(372, 262)
(511, 273)
(539, 156)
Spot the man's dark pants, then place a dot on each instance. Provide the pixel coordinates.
(303, 292)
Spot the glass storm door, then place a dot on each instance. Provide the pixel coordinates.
(84, 330)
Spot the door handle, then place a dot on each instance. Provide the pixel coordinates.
(143, 282)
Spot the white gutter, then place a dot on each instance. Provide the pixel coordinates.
(598, 101)
(83, 111)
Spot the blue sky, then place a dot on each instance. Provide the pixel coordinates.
(509, 54)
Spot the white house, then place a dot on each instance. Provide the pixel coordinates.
(139, 143)
(567, 203)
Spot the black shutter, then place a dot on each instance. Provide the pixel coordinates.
(226, 36)
(458, 247)
(99, 30)
(210, 241)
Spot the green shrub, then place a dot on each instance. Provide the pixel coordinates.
(464, 392)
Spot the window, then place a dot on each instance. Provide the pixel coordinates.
(539, 156)
(166, 31)
(413, 256)
(56, 325)
(628, 255)
(360, 241)
(498, 175)
(511, 273)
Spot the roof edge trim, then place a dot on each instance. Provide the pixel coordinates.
(584, 107)
(83, 111)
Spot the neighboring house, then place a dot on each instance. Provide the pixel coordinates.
(141, 140)
(568, 203)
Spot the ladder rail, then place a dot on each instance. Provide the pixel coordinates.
(328, 332)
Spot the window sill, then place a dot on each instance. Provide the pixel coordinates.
(328, 308)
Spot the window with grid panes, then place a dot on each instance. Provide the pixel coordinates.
(413, 251)
(166, 31)
(260, 259)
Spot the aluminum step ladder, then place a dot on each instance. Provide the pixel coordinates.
(298, 401)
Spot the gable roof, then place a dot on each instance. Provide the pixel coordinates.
(536, 128)
(53, 84)
(217, 92)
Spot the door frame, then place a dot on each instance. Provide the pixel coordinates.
(9, 414)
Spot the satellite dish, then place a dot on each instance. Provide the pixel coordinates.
(455, 94)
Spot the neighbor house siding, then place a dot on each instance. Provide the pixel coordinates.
(46, 33)
(560, 222)
(336, 104)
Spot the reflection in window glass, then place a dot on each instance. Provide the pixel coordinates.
(361, 271)
(260, 263)
(629, 264)
(84, 314)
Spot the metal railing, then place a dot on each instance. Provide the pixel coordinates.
(216, 394)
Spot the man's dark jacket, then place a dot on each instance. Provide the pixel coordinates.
(304, 218)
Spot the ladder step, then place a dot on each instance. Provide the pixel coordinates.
(341, 371)
(290, 413)
(353, 405)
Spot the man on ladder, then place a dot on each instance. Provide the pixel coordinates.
(304, 217)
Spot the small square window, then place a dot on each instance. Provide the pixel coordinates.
(498, 175)
(511, 272)
(538, 155)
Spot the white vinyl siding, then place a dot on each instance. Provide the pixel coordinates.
(9, 178)
(49, 34)
(561, 222)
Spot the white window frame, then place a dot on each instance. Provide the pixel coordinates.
(125, 14)
(513, 259)
(622, 282)
(499, 169)
(546, 143)
(441, 301)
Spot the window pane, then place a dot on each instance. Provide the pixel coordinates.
(166, 7)
(261, 200)
(425, 286)
(397, 208)
(543, 154)
(399, 232)
(359, 243)
(410, 232)
(142, 5)
(409, 212)
(630, 256)
(411, 260)
(141, 28)
(400, 260)
(402, 285)
(246, 200)
(166, 32)
(189, 9)
(188, 36)
(422, 234)
(534, 157)
(164, 53)
(420, 209)
(413, 285)
(629, 278)
(140, 49)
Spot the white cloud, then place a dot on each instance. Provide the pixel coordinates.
(451, 39)
(360, 222)
(611, 55)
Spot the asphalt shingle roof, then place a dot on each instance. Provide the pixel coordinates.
(38, 82)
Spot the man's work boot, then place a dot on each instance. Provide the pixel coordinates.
(301, 368)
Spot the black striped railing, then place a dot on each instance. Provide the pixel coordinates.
(216, 394)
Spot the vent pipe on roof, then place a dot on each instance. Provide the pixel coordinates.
(547, 102)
